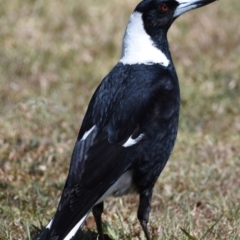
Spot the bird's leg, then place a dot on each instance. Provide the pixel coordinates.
(144, 210)
(97, 213)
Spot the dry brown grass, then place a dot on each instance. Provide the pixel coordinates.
(52, 56)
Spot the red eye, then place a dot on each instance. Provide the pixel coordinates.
(163, 8)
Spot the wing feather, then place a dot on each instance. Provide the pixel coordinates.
(118, 110)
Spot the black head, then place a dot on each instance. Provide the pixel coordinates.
(159, 14)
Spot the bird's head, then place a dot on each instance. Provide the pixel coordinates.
(161, 13)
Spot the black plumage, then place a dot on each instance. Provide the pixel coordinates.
(130, 127)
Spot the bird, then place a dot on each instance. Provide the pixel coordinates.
(130, 126)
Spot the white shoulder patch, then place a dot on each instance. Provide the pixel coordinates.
(85, 135)
(137, 46)
(131, 141)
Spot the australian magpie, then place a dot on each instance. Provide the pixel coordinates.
(131, 124)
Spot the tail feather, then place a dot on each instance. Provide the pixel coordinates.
(46, 233)
(75, 229)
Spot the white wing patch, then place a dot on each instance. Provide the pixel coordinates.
(49, 224)
(75, 229)
(85, 135)
(131, 141)
(137, 46)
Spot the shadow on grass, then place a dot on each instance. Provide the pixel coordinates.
(88, 235)
(80, 235)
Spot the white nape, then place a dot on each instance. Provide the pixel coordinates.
(131, 141)
(137, 46)
(72, 233)
(86, 134)
(49, 224)
(184, 6)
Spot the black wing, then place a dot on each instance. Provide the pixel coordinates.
(119, 109)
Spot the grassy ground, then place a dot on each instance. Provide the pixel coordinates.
(54, 53)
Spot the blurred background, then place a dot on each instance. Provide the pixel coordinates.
(53, 54)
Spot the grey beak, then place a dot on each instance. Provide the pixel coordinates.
(187, 5)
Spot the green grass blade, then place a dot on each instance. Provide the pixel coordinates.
(210, 229)
(188, 234)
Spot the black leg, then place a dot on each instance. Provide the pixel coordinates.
(144, 210)
(97, 213)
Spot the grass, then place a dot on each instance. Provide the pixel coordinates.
(53, 54)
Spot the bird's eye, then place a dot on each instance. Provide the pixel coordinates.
(163, 8)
